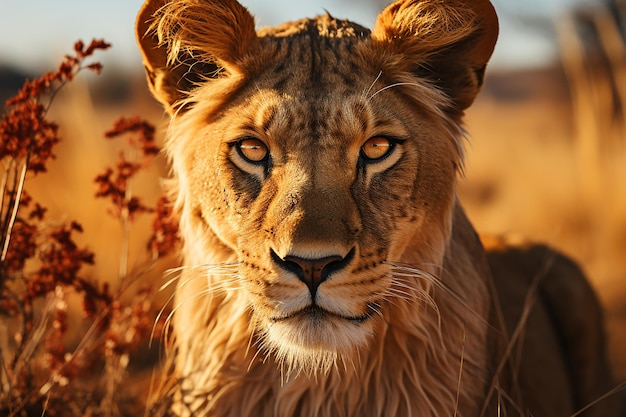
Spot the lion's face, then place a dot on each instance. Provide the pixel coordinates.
(316, 185)
(316, 157)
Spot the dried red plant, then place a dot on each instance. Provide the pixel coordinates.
(40, 263)
(113, 183)
(165, 238)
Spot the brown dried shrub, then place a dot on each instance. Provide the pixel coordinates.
(41, 264)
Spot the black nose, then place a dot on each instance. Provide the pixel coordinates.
(313, 271)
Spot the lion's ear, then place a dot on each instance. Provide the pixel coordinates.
(447, 41)
(185, 42)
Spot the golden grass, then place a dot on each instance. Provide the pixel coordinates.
(524, 176)
(68, 188)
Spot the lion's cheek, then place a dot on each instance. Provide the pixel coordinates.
(216, 204)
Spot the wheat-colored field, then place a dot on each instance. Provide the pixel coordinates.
(527, 175)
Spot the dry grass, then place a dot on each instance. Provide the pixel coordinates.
(578, 148)
(72, 322)
(525, 177)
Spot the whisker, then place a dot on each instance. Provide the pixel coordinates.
(158, 318)
(207, 269)
(168, 319)
(257, 351)
(411, 297)
(409, 271)
(400, 294)
(392, 86)
(228, 281)
(417, 293)
(401, 285)
(168, 283)
(375, 309)
(369, 90)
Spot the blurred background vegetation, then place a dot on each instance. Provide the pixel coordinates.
(547, 137)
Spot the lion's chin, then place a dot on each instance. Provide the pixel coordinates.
(312, 341)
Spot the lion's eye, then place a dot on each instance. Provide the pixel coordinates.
(252, 150)
(376, 148)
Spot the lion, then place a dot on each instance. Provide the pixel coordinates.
(329, 267)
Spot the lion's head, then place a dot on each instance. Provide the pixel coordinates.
(314, 172)
(315, 169)
(314, 153)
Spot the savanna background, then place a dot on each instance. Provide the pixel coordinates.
(546, 160)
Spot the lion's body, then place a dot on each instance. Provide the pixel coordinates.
(329, 268)
(558, 356)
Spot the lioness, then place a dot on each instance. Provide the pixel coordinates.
(329, 267)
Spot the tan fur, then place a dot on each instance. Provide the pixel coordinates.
(318, 282)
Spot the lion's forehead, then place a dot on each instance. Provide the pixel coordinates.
(314, 85)
(342, 119)
(320, 60)
(302, 122)
(323, 26)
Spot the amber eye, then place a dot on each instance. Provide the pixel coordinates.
(376, 148)
(252, 150)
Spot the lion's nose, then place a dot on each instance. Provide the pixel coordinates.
(313, 271)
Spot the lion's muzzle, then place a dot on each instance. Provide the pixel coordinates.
(313, 271)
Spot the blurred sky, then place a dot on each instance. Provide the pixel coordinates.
(35, 34)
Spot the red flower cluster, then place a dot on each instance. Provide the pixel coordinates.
(40, 262)
(129, 325)
(61, 260)
(23, 245)
(25, 134)
(165, 238)
(113, 182)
